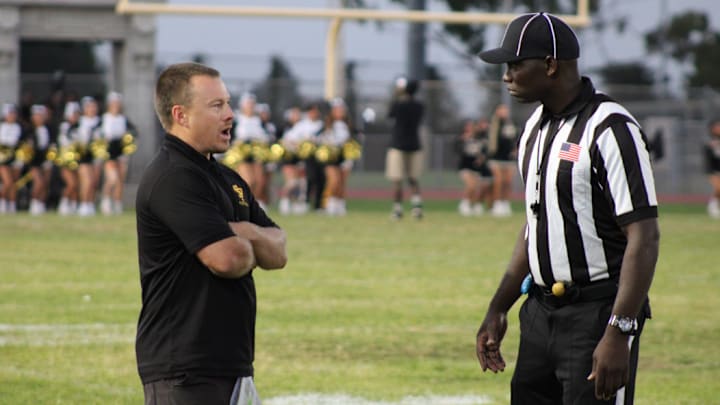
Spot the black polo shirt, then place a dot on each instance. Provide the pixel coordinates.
(192, 322)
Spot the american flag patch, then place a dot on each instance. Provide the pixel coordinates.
(570, 151)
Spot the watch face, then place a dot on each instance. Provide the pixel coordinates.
(625, 324)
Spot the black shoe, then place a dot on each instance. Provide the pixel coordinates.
(396, 215)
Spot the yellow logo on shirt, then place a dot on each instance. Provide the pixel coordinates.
(241, 194)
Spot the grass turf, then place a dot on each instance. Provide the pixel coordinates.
(366, 307)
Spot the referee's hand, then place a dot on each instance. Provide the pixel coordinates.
(489, 336)
(610, 365)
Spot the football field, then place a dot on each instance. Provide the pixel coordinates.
(368, 311)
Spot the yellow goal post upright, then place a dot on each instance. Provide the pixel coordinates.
(336, 17)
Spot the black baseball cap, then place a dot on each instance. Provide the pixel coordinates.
(535, 35)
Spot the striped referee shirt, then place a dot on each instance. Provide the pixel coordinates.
(587, 173)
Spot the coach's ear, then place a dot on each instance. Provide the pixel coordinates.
(179, 115)
(551, 66)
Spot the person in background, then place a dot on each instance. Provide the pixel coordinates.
(712, 165)
(293, 172)
(114, 127)
(86, 133)
(304, 172)
(249, 131)
(10, 135)
(404, 159)
(268, 168)
(587, 251)
(315, 169)
(474, 172)
(40, 138)
(337, 133)
(502, 148)
(67, 138)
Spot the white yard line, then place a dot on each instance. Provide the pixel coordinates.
(339, 399)
(39, 335)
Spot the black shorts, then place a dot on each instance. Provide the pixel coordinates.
(86, 158)
(115, 149)
(39, 158)
(483, 169)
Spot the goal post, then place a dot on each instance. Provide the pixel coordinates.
(336, 17)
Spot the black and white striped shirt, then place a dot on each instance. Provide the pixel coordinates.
(595, 177)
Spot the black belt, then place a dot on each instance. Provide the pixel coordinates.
(574, 293)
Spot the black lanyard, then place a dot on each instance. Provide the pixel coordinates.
(554, 127)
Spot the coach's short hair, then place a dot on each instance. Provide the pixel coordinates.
(173, 88)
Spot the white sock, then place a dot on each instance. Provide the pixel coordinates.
(342, 208)
(3, 206)
(478, 209)
(330, 206)
(106, 206)
(64, 206)
(117, 207)
(10, 207)
(284, 206)
(37, 207)
(464, 207)
(397, 207)
(416, 200)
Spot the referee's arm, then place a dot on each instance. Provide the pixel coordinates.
(493, 328)
(610, 360)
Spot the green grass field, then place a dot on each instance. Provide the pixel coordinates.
(366, 307)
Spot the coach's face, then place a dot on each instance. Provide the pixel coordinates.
(527, 80)
(209, 116)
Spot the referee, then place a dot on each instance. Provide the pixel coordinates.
(590, 243)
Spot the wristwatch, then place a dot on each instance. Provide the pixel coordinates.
(627, 325)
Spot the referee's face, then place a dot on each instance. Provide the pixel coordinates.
(526, 80)
(209, 115)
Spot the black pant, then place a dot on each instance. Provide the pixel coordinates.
(555, 354)
(190, 390)
(315, 172)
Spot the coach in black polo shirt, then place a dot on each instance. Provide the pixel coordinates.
(200, 235)
(590, 242)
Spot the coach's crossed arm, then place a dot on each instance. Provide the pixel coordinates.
(268, 244)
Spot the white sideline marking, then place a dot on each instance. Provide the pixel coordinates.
(338, 399)
(39, 335)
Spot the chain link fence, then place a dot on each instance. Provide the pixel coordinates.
(680, 122)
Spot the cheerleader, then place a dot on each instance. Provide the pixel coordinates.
(67, 135)
(300, 137)
(249, 132)
(502, 147)
(336, 134)
(10, 135)
(39, 138)
(474, 172)
(289, 166)
(712, 165)
(86, 133)
(118, 132)
(265, 179)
